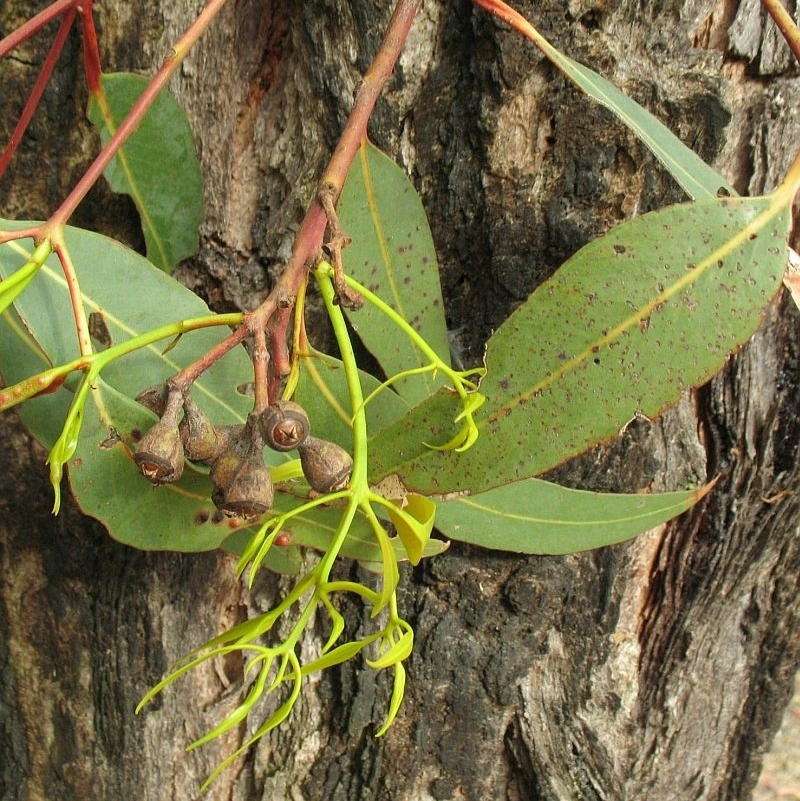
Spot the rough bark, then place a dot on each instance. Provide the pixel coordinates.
(653, 669)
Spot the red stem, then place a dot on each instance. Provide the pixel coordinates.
(310, 237)
(140, 108)
(38, 89)
(27, 29)
(91, 51)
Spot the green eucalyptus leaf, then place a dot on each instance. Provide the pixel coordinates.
(623, 328)
(392, 254)
(398, 691)
(533, 516)
(336, 656)
(132, 297)
(157, 167)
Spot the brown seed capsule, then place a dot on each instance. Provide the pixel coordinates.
(326, 465)
(154, 398)
(159, 454)
(202, 441)
(285, 425)
(242, 483)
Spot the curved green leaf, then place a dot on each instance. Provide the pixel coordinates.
(533, 516)
(392, 254)
(157, 167)
(626, 325)
(130, 297)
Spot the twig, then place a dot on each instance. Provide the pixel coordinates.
(179, 52)
(309, 240)
(785, 24)
(27, 29)
(38, 89)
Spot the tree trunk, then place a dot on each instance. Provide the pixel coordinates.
(656, 669)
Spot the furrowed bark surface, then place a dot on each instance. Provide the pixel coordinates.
(653, 669)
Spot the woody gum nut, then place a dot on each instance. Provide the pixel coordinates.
(154, 398)
(159, 455)
(326, 465)
(285, 425)
(202, 441)
(242, 483)
(249, 496)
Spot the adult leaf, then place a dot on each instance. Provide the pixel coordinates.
(131, 297)
(633, 319)
(533, 516)
(127, 297)
(157, 167)
(392, 254)
(686, 167)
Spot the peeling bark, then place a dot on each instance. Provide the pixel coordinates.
(653, 669)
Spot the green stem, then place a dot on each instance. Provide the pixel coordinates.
(358, 480)
(12, 286)
(27, 388)
(454, 375)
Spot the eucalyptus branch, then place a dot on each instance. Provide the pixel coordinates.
(310, 237)
(27, 29)
(39, 86)
(786, 25)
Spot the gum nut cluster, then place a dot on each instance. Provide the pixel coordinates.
(242, 486)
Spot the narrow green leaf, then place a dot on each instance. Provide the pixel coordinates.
(623, 328)
(341, 653)
(398, 690)
(533, 516)
(392, 254)
(157, 167)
